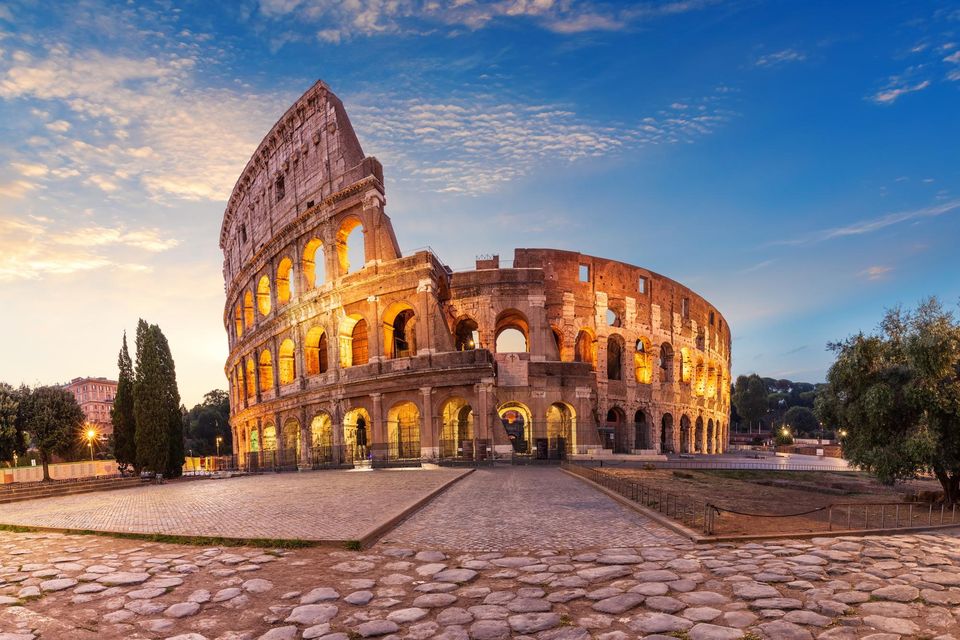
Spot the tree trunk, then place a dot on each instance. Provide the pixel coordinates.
(45, 464)
(950, 484)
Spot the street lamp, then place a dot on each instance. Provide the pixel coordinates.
(91, 434)
(219, 440)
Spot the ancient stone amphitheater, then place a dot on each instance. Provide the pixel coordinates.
(390, 358)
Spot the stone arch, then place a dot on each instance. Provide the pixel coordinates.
(616, 426)
(711, 438)
(557, 341)
(238, 321)
(285, 281)
(266, 370)
(291, 441)
(248, 316)
(685, 435)
(699, 437)
(315, 351)
(466, 334)
(585, 349)
(642, 361)
(314, 272)
(403, 430)
(286, 362)
(264, 304)
(356, 433)
(251, 378)
(562, 428)
(269, 436)
(456, 428)
(666, 433)
(686, 366)
(354, 341)
(351, 232)
(510, 327)
(666, 362)
(711, 380)
(615, 357)
(700, 378)
(641, 431)
(321, 432)
(517, 421)
(399, 331)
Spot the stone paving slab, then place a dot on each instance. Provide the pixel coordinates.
(317, 505)
(526, 507)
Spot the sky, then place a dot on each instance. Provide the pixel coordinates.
(796, 163)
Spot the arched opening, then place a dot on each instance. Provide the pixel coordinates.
(613, 318)
(286, 362)
(351, 252)
(642, 365)
(641, 437)
(517, 421)
(251, 378)
(701, 378)
(399, 331)
(585, 349)
(711, 438)
(699, 437)
(685, 436)
(313, 263)
(285, 283)
(356, 432)
(266, 370)
(666, 362)
(263, 296)
(291, 442)
(321, 434)
(614, 358)
(711, 381)
(557, 342)
(561, 430)
(512, 332)
(686, 366)
(403, 431)
(238, 321)
(456, 429)
(616, 436)
(248, 310)
(354, 341)
(269, 437)
(315, 351)
(466, 335)
(241, 384)
(666, 433)
(254, 441)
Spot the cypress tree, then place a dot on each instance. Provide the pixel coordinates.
(149, 404)
(171, 404)
(122, 416)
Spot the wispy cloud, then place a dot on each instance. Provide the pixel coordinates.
(890, 94)
(780, 57)
(876, 272)
(871, 225)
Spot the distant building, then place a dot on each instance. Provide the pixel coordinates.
(95, 396)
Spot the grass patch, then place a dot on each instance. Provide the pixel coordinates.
(198, 541)
(13, 528)
(353, 545)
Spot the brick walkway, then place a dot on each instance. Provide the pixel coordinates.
(526, 508)
(322, 505)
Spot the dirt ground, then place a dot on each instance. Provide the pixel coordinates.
(783, 493)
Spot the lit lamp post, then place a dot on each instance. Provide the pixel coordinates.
(91, 434)
(219, 440)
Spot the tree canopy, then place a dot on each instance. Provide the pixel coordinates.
(156, 404)
(122, 415)
(896, 395)
(207, 421)
(52, 418)
(12, 439)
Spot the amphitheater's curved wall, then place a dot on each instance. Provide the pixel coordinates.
(401, 358)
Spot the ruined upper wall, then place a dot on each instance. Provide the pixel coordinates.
(311, 153)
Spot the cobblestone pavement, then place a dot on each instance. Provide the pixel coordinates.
(55, 586)
(525, 507)
(318, 505)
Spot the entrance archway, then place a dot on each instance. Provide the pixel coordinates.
(456, 429)
(291, 442)
(561, 429)
(666, 433)
(711, 437)
(403, 431)
(518, 423)
(641, 439)
(356, 434)
(685, 435)
(616, 436)
(699, 437)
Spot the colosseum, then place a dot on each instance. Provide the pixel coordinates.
(393, 358)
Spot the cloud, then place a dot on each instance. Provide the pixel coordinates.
(875, 273)
(477, 143)
(33, 247)
(873, 224)
(780, 57)
(890, 94)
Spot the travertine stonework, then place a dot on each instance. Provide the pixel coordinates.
(402, 358)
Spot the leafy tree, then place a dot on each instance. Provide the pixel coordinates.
(122, 415)
(897, 396)
(750, 397)
(12, 440)
(53, 419)
(207, 421)
(150, 408)
(174, 414)
(801, 420)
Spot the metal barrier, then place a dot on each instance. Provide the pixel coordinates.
(717, 465)
(697, 514)
(890, 515)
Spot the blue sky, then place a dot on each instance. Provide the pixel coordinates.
(795, 163)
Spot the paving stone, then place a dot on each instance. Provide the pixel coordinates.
(434, 600)
(408, 615)
(359, 598)
(280, 633)
(57, 585)
(182, 610)
(892, 625)
(312, 614)
(782, 630)
(658, 623)
(320, 594)
(533, 622)
(618, 604)
(490, 630)
(704, 631)
(897, 592)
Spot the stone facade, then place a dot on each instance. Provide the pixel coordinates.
(400, 357)
(95, 396)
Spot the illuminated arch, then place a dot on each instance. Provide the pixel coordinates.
(511, 329)
(313, 263)
(700, 378)
(399, 331)
(466, 334)
(266, 370)
(321, 431)
(263, 296)
(248, 317)
(356, 433)
(615, 357)
(518, 423)
(285, 282)
(350, 233)
(251, 378)
(291, 439)
(585, 348)
(269, 437)
(403, 430)
(238, 321)
(286, 362)
(315, 351)
(666, 364)
(711, 381)
(562, 427)
(643, 361)
(557, 341)
(686, 366)
(456, 428)
(354, 341)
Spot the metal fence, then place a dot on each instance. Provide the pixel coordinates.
(716, 465)
(890, 515)
(454, 453)
(384, 457)
(696, 514)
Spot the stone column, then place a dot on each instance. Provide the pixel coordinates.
(377, 434)
(298, 357)
(428, 444)
(256, 376)
(275, 359)
(304, 440)
(481, 423)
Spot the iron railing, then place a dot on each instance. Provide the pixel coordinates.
(890, 515)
